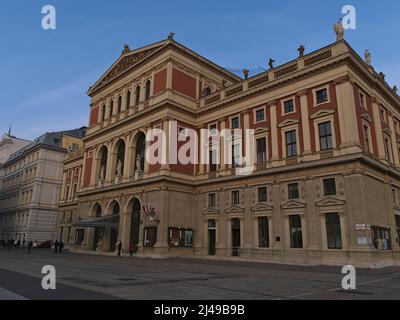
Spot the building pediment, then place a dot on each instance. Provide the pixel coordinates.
(327, 202)
(367, 117)
(322, 113)
(288, 122)
(234, 209)
(211, 211)
(127, 60)
(259, 130)
(294, 204)
(261, 207)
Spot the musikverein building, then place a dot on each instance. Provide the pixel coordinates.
(325, 189)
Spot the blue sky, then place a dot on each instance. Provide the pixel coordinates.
(44, 75)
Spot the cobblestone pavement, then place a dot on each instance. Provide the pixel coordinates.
(81, 276)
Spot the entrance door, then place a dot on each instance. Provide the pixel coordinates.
(135, 222)
(96, 238)
(211, 237)
(235, 237)
(113, 239)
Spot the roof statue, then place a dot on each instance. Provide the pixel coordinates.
(245, 73)
(126, 49)
(301, 50)
(171, 36)
(339, 30)
(271, 63)
(367, 57)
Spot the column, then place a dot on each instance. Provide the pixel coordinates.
(110, 163)
(346, 107)
(166, 146)
(222, 125)
(274, 131)
(169, 75)
(394, 141)
(162, 228)
(146, 163)
(378, 127)
(305, 122)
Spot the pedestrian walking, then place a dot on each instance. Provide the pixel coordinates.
(18, 244)
(30, 244)
(132, 248)
(56, 245)
(35, 244)
(60, 246)
(119, 248)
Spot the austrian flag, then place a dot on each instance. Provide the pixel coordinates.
(150, 212)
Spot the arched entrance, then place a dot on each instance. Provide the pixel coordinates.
(135, 222)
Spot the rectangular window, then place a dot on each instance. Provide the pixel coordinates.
(381, 238)
(260, 115)
(211, 200)
(262, 194)
(180, 237)
(398, 228)
(288, 106)
(293, 191)
(261, 150)
(236, 158)
(291, 144)
(213, 160)
(235, 123)
(363, 100)
(333, 231)
(322, 96)
(329, 187)
(213, 129)
(119, 104)
(296, 233)
(366, 138)
(383, 115)
(394, 193)
(388, 149)
(235, 197)
(150, 236)
(263, 232)
(325, 136)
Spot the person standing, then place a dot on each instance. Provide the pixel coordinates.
(119, 247)
(30, 244)
(56, 245)
(60, 246)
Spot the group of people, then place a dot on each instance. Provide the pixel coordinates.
(58, 246)
(118, 248)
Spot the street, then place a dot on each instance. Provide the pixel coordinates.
(83, 277)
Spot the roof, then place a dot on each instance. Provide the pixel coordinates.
(131, 58)
(50, 139)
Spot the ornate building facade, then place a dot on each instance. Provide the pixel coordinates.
(326, 179)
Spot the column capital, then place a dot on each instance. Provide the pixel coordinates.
(272, 103)
(244, 112)
(302, 93)
(343, 79)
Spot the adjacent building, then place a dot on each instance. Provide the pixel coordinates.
(30, 186)
(325, 186)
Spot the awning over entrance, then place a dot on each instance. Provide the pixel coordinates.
(111, 221)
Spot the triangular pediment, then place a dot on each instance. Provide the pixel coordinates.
(259, 130)
(288, 122)
(330, 202)
(294, 204)
(126, 61)
(234, 209)
(211, 211)
(261, 207)
(366, 117)
(322, 113)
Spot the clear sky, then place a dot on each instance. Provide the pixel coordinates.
(44, 75)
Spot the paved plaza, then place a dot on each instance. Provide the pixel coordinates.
(82, 277)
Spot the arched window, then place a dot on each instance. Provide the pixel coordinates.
(119, 104)
(98, 211)
(140, 151)
(103, 163)
(103, 113)
(120, 157)
(148, 85)
(128, 99)
(137, 95)
(111, 109)
(116, 209)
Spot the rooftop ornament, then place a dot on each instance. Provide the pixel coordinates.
(339, 30)
(126, 49)
(301, 50)
(171, 36)
(245, 73)
(271, 63)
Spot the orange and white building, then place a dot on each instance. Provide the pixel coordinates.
(325, 189)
